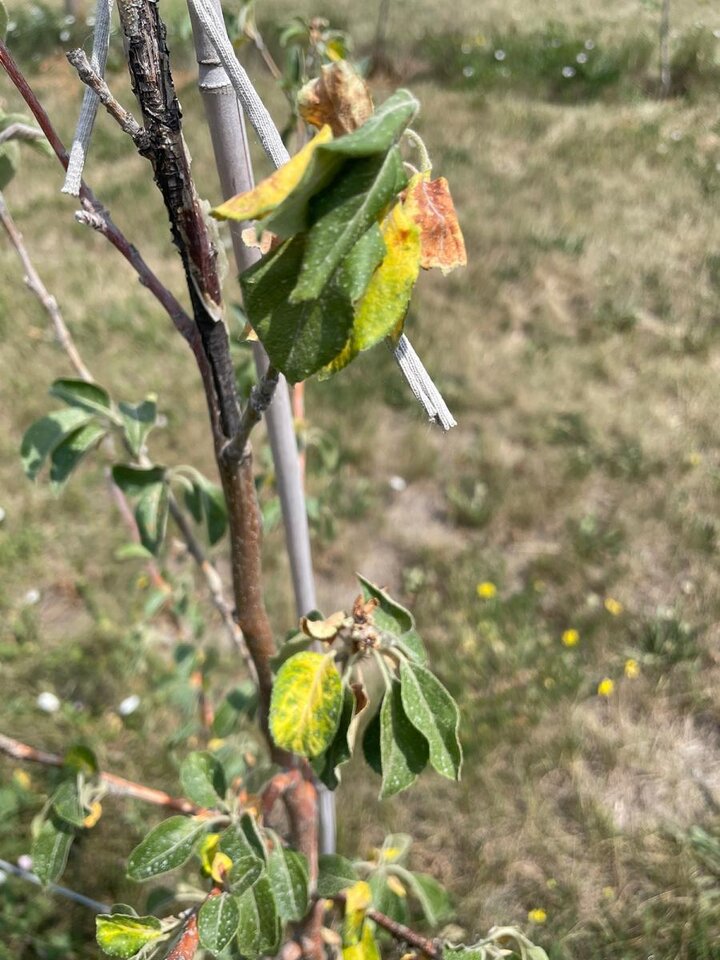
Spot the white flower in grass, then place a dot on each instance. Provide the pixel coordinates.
(129, 705)
(48, 702)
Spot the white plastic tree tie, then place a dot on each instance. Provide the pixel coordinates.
(86, 121)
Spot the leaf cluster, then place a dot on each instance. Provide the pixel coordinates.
(318, 710)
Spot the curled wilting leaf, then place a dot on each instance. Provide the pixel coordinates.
(264, 243)
(271, 191)
(429, 204)
(339, 97)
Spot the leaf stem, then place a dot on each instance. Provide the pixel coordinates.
(419, 144)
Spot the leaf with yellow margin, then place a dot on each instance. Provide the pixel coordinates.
(271, 191)
(430, 206)
(382, 308)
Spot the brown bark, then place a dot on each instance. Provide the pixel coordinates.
(152, 83)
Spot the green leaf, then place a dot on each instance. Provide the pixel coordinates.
(380, 130)
(307, 699)
(434, 713)
(86, 396)
(371, 744)
(394, 619)
(342, 213)
(243, 840)
(300, 338)
(244, 872)
(433, 899)
(134, 481)
(339, 751)
(125, 909)
(151, 515)
(132, 551)
(361, 262)
(50, 849)
(41, 437)
(69, 453)
(67, 805)
(259, 927)
(120, 935)
(395, 848)
(81, 759)
(168, 845)
(404, 751)
(240, 700)
(218, 921)
(203, 779)
(138, 420)
(288, 875)
(249, 826)
(206, 502)
(386, 900)
(335, 874)
(9, 161)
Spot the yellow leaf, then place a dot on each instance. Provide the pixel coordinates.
(208, 849)
(429, 204)
(323, 629)
(381, 309)
(339, 97)
(269, 193)
(397, 888)
(365, 949)
(94, 815)
(221, 865)
(358, 898)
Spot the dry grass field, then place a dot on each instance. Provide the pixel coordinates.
(580, 352)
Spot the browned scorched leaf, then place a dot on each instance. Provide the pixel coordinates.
(265, 243)
(339, 97)
(429, 204)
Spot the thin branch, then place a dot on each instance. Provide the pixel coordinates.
(187, 945)
(66, 892)
(115, 784)
(127, 122)
(214, 584)
(36, 286)
(128, 517)
(95, 214)
(258, 402)
(21, 131)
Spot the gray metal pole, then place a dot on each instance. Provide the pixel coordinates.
(232, 157)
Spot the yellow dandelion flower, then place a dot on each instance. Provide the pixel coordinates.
(632, 669)
(570, 638)
(694, 458)
(608, 893)
(606, 687)
(486, 590)
(613, 606)
(538, 915)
